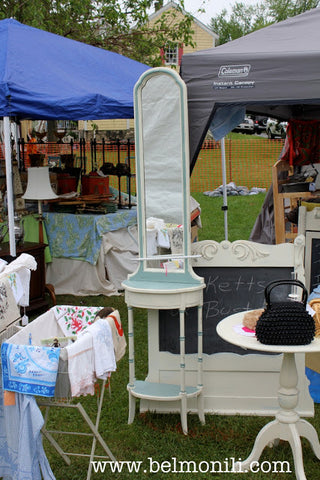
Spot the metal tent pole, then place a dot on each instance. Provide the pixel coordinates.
(10, 199)
(224, 186)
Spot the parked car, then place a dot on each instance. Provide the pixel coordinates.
(276, 128)
(246, 126)
(260, 123)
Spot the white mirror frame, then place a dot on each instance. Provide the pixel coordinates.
(151, 150)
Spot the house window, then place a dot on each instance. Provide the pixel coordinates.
(171, 55)
(70, 124)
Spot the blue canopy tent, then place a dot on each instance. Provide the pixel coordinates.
(46, 76)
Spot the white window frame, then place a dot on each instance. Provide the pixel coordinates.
(171, 54)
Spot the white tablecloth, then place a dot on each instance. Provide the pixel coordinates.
(117, 258)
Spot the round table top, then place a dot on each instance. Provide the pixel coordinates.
(226, 330)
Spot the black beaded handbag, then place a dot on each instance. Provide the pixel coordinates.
(285, 322)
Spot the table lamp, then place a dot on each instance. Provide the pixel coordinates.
(39, 188)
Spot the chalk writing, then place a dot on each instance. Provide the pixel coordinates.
(228, 290)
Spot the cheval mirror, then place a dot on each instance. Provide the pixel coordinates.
(162, 173)
(164, 278)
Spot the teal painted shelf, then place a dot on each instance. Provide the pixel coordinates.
(160, 391)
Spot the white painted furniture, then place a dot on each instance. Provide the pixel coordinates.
(164, 278)
(309, 226)
(287, 424)
(156, 296)
(232, 383)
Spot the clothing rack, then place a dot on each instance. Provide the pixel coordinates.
(96, 437)
(47, 324)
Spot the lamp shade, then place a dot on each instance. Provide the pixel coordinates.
(39, 186)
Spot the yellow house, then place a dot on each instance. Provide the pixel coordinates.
(203, 38)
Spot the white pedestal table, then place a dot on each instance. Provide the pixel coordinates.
(287, 424)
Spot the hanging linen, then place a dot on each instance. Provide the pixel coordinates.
(29, 369)
(302, 142)
(22, 456)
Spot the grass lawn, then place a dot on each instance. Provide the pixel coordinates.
(248, 158)
(159, 437)
(241, 215)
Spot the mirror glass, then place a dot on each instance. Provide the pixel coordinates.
(162, 146)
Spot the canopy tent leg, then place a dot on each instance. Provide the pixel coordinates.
(10, 199)
(16, 135)
(224, 187)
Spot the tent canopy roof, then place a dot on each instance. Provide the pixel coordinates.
(47, 76)
(274, 71)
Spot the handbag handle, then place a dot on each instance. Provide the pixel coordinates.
(276, 283)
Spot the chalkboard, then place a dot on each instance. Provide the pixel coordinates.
(313, 260)
(228, 290)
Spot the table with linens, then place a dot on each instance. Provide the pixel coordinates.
(91, 253)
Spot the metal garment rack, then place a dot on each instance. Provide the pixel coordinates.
(9, 330)
(96, 437)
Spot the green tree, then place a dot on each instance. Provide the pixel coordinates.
(245, 19)
(118, 25)
(280, 10)
(242, 20)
